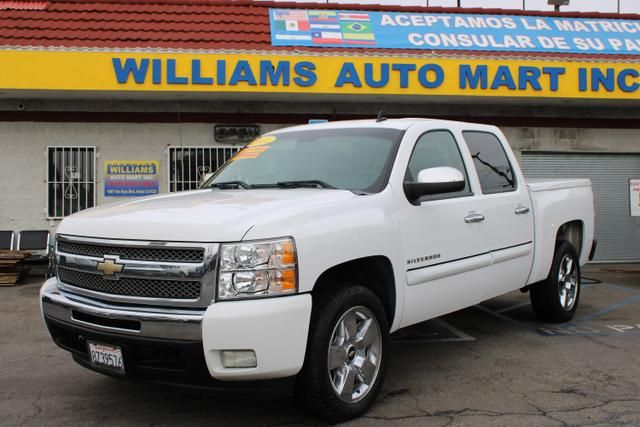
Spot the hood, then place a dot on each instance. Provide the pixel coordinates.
(210, 215)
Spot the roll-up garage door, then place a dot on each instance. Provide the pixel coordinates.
(617, 232)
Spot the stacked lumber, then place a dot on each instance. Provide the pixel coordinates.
(12, 266)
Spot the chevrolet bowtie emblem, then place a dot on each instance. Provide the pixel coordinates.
(109, 267)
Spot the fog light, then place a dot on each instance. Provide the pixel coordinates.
(239, 359)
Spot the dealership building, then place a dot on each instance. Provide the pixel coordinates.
(109, 100)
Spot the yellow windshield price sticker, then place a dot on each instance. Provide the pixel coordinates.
(262, 141)
(250, 153)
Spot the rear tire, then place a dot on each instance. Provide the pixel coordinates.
(556, 299)
(346, 357)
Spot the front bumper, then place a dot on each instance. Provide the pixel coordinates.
(183, 346)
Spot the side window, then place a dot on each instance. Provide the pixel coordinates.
(493, 167)
(435, 149)
(71, 180)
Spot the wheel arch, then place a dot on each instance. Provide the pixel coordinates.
(572, 232)
(373, 272)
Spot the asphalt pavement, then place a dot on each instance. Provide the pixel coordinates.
(491, 364)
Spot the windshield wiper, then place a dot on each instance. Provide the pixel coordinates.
(306, 183)
(229, 184)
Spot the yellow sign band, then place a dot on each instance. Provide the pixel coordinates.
(296, 74)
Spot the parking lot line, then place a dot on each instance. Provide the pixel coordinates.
(512, 307)
(624, 288)
(502, 316)
(461, 335)
(605, 310)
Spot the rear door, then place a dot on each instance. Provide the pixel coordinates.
(506, 209)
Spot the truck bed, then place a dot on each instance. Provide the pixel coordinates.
(556, 202)
(546, 184)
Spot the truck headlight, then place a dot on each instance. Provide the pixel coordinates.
(257, 269)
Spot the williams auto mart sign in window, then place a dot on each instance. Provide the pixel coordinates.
(129, 178)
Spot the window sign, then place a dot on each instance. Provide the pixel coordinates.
(445, 31)
(634, 196)
(130, 178)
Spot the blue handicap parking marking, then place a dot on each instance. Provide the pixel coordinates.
(596, 321)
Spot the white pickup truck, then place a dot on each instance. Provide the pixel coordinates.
(298, 258)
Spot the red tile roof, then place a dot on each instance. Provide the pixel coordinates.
(188, 24)
(23, 5)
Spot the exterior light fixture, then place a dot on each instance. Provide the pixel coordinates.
(557, 3)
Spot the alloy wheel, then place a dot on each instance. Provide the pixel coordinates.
(354, 354)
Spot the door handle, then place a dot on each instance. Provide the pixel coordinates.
(521, 210)
(473, 217)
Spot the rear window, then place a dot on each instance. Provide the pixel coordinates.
(491, 162)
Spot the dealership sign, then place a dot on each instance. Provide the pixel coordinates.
(130, 178)
(442, 31)
(314, 74)
(634, 197)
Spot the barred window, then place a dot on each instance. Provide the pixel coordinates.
(71, 180)
(188, 165)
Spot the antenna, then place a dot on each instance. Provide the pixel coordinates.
(381, 117)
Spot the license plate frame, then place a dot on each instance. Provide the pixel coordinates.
(106, 357)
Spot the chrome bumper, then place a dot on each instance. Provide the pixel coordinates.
(147, 322)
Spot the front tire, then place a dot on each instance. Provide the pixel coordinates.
(556, 299)
(346, 355)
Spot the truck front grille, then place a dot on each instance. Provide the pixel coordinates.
(133, 287)
(182, 255)
(147, 272)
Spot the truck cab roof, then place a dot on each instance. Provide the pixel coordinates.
(400, 124)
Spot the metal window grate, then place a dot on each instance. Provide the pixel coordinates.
(188, 165)
(71, 180)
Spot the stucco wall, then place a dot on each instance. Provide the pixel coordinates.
(23, 162)
(23, 148)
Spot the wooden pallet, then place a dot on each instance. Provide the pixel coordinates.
(9, 279)
(12, 267)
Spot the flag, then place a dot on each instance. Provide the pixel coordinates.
(322, 16)
(291, 20)
(335, 26)
(358, 32)
(295, 25)
(293, 37)
(289, 14)
(289, 25)
(326, 37)
(351, 16)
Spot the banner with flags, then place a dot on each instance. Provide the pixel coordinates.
(321, 28)
(449, 31)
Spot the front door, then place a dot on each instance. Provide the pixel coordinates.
(444, 243)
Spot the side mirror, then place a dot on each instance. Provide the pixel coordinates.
(435, 181)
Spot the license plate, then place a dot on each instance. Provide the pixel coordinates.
(106, 356)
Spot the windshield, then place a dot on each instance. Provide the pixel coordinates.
(349, 159)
